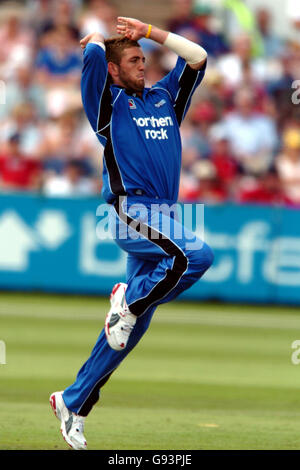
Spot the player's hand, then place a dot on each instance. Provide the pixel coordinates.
(92, 37)
(131, 28)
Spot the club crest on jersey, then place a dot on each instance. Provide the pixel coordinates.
(160, 103)
(131, 103)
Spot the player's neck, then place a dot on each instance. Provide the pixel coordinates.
(128, 89)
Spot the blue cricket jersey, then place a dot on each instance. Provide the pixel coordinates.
(141, 138)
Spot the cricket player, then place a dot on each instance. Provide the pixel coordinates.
(139, 130)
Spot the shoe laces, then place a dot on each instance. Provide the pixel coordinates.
(79, 423)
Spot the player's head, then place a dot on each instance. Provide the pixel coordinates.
(126, 63)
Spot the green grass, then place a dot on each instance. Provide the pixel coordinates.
(205, 376)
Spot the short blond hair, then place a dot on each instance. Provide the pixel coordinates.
(115, 46)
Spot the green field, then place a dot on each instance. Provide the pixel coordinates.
(205, 376)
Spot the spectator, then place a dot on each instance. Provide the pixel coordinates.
(215, 91)
(288, 165)
(63, 140)
(101, 16)
(16, 46)
(193, 148)
(182, 16)
(38, 12)
(24, 89)
(209, 189)
(61, 14)
(232, 65)
(227, 169)
(272, 44)
(280, 86)
(23, 122)
(59, 71)
(60, 63)
(293, 15)
(192, 20)
(212, 41)
(202, 116)
(17, 171)
(266, 190)
(71, 183)
(252, 135)
(195, 144)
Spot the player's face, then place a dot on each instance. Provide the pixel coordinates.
(132, 69)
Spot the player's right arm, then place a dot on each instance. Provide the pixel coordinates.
(94, 75)
(193, 53)
(188, 73)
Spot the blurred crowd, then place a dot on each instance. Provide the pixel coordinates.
(240, 138)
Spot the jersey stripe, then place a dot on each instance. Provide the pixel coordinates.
(187, 82)
(104, 129)
(105, 107)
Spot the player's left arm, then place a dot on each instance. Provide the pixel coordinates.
(192, 53)
(94, 75)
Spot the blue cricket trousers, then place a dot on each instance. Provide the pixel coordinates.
(164, 259)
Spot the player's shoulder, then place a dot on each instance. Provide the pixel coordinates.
(159, 90)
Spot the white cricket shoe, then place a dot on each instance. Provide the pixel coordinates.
(119, 321)
(72, 425)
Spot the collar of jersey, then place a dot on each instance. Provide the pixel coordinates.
(129, 92)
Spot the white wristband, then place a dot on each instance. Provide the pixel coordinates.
(188, 50)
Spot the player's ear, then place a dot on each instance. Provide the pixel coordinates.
(113, 69)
